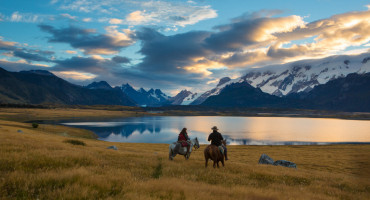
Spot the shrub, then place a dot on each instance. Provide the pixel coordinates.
(35, 125)
(75, 142)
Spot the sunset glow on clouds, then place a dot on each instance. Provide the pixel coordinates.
(172, 44)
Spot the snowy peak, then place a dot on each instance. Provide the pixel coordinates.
(99, 85)
(304, 75)
(184, 97)
(294, 77)
(223, 81)
(152, 97)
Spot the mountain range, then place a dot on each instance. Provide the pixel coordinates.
(43, 87)
(295, 77)
(152, 97)
(334, 83)
(350, 93)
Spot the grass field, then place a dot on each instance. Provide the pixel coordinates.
(42, 163)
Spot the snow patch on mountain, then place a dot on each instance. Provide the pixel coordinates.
(296, 76)
(304, 75)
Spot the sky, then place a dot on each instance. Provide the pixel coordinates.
(174, 44)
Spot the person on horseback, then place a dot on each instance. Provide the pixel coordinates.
(216, 139)
(183, 139)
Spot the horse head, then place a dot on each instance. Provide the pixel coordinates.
(196, 145)
(224, 142)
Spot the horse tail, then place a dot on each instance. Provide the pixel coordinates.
(170, 152)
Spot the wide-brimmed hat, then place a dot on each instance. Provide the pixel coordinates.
(214, 128)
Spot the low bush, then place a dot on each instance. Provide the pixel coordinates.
(35, 125)
(75, 142)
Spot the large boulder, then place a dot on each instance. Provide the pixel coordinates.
(285, 163)
(112, 147)
(265, 159)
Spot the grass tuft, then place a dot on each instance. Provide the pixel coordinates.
(158, 170)
(35, 125)
(75, 142)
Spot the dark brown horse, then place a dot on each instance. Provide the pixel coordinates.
(213, 152)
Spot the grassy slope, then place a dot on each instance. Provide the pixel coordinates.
(37, 163)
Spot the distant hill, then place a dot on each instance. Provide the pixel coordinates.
(43, 87)
(99, 85)
(242, 95)
(351, 93)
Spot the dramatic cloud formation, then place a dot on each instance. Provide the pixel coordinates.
(88, 41)
(145, 53)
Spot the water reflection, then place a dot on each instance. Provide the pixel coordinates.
(238, 130)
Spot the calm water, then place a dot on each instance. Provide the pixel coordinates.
(238, 130)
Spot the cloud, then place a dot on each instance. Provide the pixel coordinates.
(115, 21)
(89, 41)
(71, 52)
(169, 14)
(251, 32)
(73, 75)
(25, 17)
(68, 16)
(120, 59)
(30, 56)
(13, 49)
(20, 65)
(89, 64)
(169, 54)
(7, 46)
(86, 19)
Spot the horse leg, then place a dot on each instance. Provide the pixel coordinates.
(170, 153)
(222, 161)
(218, 166)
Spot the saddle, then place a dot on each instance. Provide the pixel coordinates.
(222, 150)
(177, 147)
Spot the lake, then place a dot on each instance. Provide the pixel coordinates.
(238, 130)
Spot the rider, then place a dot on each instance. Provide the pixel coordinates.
(217, 138)
(183, 139)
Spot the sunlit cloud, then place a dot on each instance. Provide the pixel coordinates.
(86, 19)
(74, 75)
(68, 16)
(71, 52)
(115, 21)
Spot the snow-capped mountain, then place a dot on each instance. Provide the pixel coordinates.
(215, 91)
(184, 97)
(304, 75)
(153, 97)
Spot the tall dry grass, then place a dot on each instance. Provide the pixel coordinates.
(39, 164)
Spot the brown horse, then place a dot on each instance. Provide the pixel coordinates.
(213, 152)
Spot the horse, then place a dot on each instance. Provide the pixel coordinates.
(213, 152)
(176, 148)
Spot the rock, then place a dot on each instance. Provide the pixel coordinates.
(112, 147)
(19, 131)
(265, 159)
(285, 163)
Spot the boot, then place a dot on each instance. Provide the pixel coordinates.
(226, 158)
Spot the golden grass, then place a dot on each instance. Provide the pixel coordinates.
(37, 163)
(31, 114)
